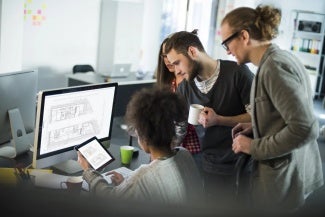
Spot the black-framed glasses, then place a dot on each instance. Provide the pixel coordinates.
(225, 43)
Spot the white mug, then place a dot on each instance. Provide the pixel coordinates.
(194, 114)
(73, 183)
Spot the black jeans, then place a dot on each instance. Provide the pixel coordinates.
(222, 188)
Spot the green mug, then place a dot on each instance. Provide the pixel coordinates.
(126, 154)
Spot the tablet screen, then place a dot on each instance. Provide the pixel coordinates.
(95, 153)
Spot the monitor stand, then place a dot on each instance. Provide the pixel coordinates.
(68, 167)
(21, 141)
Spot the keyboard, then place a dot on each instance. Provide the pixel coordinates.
(125, 172)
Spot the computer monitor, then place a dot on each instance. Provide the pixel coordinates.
(66, 117)
(18, 92)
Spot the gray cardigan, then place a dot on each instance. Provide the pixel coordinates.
(287, 160)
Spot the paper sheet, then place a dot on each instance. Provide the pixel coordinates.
(54, 181)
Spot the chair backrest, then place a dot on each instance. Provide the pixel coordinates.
(82, 68)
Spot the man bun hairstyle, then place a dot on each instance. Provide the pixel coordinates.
(268, 20)
(181, 41)
(262, 23)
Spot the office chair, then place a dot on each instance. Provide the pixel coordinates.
(82, 68)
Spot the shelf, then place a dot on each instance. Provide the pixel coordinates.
(308, 44)
(308, 35)
(304, 53)
(307, 12)
(312, 72)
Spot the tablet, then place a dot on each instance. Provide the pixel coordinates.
(95, 153)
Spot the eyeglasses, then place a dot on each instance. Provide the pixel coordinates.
(225, 43)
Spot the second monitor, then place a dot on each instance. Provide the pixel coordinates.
(18, 92)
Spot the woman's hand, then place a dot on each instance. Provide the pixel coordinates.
(116, 177)
(83, 162)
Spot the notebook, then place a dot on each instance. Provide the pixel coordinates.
(120, 70)
(125, 172)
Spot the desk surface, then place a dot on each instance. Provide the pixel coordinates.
(92, 78)
(142, 158)
(137, 160)
(126, 87)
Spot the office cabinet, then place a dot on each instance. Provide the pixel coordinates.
(308, 45)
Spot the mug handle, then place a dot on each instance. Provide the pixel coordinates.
(62, 185)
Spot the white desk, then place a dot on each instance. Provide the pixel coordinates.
(127, 86)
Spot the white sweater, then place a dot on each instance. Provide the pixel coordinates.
(175, 180)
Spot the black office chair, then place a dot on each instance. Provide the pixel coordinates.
(82, 68)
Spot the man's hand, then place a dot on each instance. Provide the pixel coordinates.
(208, 117)
(242, 129)
(241, 144)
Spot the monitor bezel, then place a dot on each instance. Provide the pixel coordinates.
(40, 112)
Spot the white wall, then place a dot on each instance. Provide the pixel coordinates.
(67, 36)
(120, 34)
(96, 32)
(129, 33)
(70, 33)
(107, 36)
(11, 35)
(150, 43)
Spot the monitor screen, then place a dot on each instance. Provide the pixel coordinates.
(18, 92)
(67, 117)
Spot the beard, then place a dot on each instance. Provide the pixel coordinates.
(195, 69)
